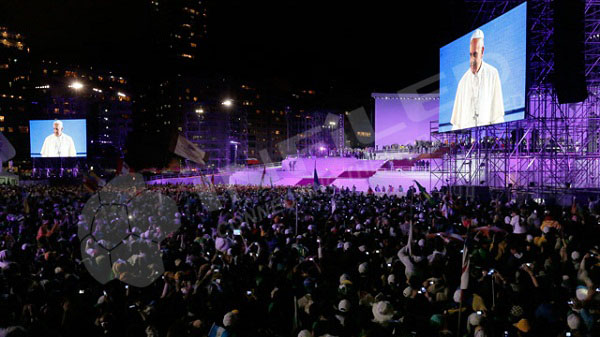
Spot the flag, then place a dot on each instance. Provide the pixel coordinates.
(410, 238)
(218, 331)
(92, 182)
(25, 203)
(464, 276)
(262, 178)
(423, 192)
(316, 179)
(189, 150)
(333, 205)
(7, 151)
(122, 167)
(289, 199)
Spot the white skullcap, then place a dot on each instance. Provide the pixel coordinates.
(304, 333)
(344, 305)
(474, 319)
(229, 319)
(347, 245)
(391, 279)
(456, 296)
(362, 268)
(477, 34)
(574, 322)
(575, 255)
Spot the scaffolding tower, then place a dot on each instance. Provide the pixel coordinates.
(555, 148)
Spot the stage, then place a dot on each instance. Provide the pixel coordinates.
(340, 172)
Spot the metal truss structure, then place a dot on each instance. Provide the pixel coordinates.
(556, 147)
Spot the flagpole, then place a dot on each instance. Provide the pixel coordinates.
(296, 203)
(459, 313)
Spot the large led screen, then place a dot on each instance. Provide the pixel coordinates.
(58, 138)
(483, 74)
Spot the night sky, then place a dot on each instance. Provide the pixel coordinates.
(358, 47)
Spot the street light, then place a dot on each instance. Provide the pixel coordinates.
(76, 85)
(235, 152)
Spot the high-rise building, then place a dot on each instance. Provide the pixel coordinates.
(14, 77)
(101, 97)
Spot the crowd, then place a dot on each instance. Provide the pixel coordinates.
(249, 261)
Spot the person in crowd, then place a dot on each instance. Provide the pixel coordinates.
(377, 265)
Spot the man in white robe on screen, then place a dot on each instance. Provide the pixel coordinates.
(479, 94)
(58, 144)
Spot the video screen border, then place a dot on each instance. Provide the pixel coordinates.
(528, 74)
(38, 155)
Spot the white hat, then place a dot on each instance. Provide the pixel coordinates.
(304, 333)
(581, 293)
(391, 279)
(477, 34)
(362, 268)
(573, 321)
(344, 277)
(382, 312)
(347, 246)
(474, 319)
(229, 319)
(407, 291)
(344, 305)
(575, 255)
(456, 296)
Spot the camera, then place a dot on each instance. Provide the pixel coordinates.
(568, 333)
(479, 312)
(249, 292)
(81, 291)
(237, 232)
